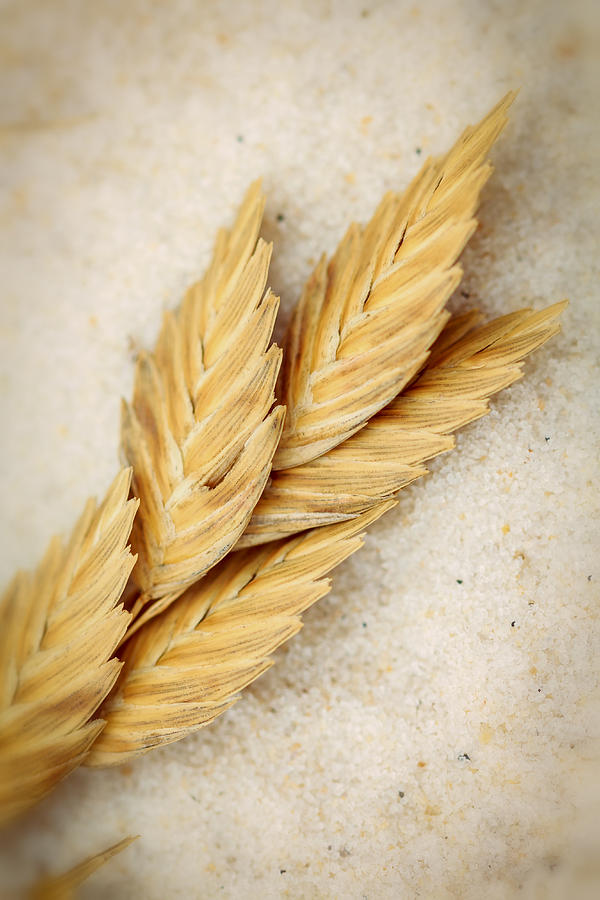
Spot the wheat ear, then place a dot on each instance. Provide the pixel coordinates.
(199, 434)
(187, 666)
(366, 319)
(60, 628)
(467, 365)
(64, 887)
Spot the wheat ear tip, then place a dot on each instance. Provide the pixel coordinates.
(63, 887)
(467, 365)
(369, 315)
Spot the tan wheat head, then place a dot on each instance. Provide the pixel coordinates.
(199, 434)
(468, 364)
(366, 319)
(376, 380)
(60, 628)
(187, 666)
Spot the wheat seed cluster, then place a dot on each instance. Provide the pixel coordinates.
(250, 473)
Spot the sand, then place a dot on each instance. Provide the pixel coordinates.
(433, 731)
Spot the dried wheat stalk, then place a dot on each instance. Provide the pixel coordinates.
(366, 319)
(187, 666)
(64, 887)
(199, 434)
(467, 365)
(60, 628)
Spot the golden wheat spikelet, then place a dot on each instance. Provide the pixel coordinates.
(60, 628)
(366, 319)
(467, 365)
(199, 433)
(64, 887)
(187, 666)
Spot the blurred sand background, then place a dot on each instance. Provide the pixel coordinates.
(433, 731)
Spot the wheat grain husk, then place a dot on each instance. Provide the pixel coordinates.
(200, 433)
(187, 666)
(60, 629)
(468, 364)
(366, 319)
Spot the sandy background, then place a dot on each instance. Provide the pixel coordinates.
(433, 730)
